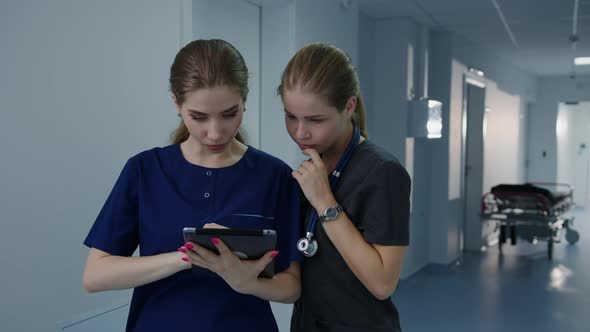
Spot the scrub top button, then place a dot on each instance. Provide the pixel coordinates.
(208, 173)
(207, 195)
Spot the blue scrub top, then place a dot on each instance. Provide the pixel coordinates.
(158, 194)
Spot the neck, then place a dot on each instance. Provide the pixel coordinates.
(332, 155)
(199, 154)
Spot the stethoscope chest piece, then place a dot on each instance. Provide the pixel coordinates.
(308, 246)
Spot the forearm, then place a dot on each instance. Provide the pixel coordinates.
(118, 272)
(362, 258)
(284, 287)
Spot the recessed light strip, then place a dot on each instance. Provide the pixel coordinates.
(581, 61)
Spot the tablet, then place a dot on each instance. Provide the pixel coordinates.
(250, 244)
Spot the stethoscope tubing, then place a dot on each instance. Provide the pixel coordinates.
(334, 176)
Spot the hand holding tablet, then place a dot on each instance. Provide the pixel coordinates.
(247, 244)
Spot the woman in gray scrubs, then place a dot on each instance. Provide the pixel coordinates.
(357, 199)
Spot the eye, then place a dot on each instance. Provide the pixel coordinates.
(230, 115)
(289, 116)
(199, 118)
(316, 120)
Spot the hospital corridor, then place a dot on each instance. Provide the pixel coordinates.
(478, 199)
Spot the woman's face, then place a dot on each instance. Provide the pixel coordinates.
(213, 116)
(311, 122)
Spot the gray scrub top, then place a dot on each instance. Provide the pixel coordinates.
(374, 191)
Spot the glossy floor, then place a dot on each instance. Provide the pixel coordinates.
(520, 290)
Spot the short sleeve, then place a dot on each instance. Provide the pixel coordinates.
(385, 196)
(288, 222)
(116, 228)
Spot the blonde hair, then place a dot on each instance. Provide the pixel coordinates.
(326, 71)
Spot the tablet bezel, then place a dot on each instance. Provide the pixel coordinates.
(253, 243)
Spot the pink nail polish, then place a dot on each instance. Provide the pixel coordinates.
(215, 241)
(274, 254)
(181, 249)
(185, 259)
(188, 245)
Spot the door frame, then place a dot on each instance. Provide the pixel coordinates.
(469, 79)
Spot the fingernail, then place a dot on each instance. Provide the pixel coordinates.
(274, 254)
(185, 259)
(215, 241)
(181, 249)
(188, 245)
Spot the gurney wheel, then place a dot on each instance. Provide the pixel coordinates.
(572, 236)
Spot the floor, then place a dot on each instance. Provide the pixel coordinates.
(520, 290)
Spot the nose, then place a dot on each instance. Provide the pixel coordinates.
(215, 132)
(301, 132)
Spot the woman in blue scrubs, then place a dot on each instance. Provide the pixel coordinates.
(358, 198)
(207, 178)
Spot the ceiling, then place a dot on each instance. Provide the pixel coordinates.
(540, 28)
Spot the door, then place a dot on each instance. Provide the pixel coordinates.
(473, 171)
(580, 135)
(238, 22)
(573, 137)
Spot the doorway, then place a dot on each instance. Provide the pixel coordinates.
(573, 159)
(473, 160)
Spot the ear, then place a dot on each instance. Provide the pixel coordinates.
(175, 103)
(350, 105)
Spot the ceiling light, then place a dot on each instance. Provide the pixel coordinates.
(476, 72)
(580, 61)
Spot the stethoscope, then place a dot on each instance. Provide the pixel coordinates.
(307, 245)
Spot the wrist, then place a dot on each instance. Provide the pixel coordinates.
(177, 262)
(247, 288)
(324, 204)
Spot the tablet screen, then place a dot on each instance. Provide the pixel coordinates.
(250, 244)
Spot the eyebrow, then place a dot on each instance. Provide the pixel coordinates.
(229, 110)
(311, 117)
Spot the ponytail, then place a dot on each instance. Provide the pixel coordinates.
(359, 117)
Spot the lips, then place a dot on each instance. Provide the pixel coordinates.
(306, 146)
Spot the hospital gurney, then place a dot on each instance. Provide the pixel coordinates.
(531, 211)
